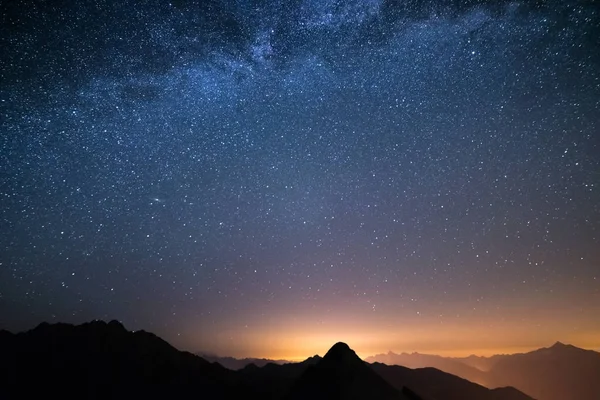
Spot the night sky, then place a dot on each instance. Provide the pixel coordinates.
(249, 178)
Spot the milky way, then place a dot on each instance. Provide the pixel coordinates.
(238, 176)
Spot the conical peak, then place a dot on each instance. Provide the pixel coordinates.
(563, 347)
(341, 352)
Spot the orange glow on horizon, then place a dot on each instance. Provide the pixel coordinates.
(300, 339)
(295, 331)
(485, 352)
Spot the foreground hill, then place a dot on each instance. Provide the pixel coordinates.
(99, 360)
(104, 360)
(273, 381)
(341, 374)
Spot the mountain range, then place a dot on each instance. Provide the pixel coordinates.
(239, 363)
(104, 360)
(558, 372)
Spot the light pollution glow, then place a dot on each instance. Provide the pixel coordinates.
(298, 337)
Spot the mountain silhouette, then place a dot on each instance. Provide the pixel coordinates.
(435, 384)
(417, 360)
(239, 363)
(558, 372)
(273, 381)
(479, 362)
(99, 360)
(104, 360)
(341, 374)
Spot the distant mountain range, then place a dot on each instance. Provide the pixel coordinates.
(239, 363)
(417, 360)
(99, 360)
(558, 372)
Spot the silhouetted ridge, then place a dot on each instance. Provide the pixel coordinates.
(559, 372)
(104, 360)
(100, 360)
(273, 381)
(313, 360)
(237, 364)
(250, 367)
(341, 374)
(431, 383)
(339, 348)
(417, 360)
(560, 346)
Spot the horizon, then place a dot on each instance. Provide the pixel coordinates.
(320, 350)
(444, 353)
(106, 358)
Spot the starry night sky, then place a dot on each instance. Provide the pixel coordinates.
(256, 178)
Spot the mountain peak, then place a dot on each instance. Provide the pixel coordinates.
(558, 345)
(341, 352)
(341, 374)
(340, 346)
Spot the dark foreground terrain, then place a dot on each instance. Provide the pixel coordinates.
(103, 360)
